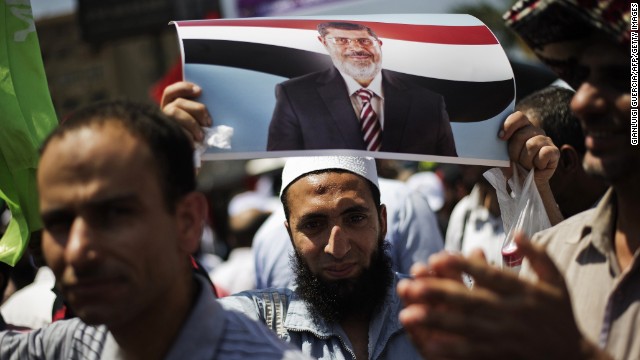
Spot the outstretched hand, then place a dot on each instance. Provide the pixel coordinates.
(501, 317)
(178, 102)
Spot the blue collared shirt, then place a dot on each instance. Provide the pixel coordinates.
(317, 338)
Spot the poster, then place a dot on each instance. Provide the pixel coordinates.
(279, 87)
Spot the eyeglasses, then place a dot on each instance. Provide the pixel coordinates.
(342, 41)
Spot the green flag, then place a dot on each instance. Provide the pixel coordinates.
(26, 117)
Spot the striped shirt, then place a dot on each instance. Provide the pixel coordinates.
(210, 332)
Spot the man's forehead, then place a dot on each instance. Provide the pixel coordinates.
(91, 150)
(347, 33)
(328, 192)
(597, 48)
(574, 60)
(322, 182)
(328, 187)
(88, 136)
(108, 137)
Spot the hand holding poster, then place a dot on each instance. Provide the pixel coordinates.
(439, 86)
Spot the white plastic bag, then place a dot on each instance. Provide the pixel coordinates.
(521, 208)
(216, 136)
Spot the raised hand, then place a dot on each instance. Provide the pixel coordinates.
(178, 102)
(529, 146)
(501, 317)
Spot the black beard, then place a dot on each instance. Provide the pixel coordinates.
(332, 301)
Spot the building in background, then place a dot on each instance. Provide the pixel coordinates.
(79, 72)
(117, 49)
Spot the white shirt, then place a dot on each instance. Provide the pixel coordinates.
(237, 273)
(472, 226)
(377, 101)
(32, 306)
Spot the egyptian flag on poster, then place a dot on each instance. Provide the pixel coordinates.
(238, 63)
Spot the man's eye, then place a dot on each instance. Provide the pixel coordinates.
(618, 79)
(116, 209)
(341, 41)
(310, 225)
(356, 218)
(111, 215)
(365, 41)
(120, 210)
(58, 221)
(576, 76)
(58, 225)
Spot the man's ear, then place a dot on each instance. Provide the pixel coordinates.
(569, 158)
(380, 42)
(322, 40)
(286, 225)
(383, 219)
(191, 215)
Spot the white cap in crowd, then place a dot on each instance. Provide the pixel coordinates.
(296, 167)
(430, 185)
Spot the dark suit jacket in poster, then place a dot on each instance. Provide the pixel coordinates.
(314, 111)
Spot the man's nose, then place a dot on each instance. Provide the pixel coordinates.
(588, 100)
(338, 245)
(79, 249)
(354, 44)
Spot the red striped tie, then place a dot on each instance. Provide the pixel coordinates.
(369, 123)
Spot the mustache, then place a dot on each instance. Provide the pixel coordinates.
(72, 276)
(358, 53)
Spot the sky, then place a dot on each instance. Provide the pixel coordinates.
(354, 7)
(48, 8)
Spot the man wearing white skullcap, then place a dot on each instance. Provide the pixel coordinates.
(345, 305)
(412, 233)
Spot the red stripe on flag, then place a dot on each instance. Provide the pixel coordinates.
(437, 34)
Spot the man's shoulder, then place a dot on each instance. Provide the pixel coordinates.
(305, 80)
(244, 335)
(567, 231)
(253, 302)
(407, 82)
(261, 293)
(74, 329)
(55, 341)
(563, 241)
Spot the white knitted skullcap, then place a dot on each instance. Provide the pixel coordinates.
(296, 167)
